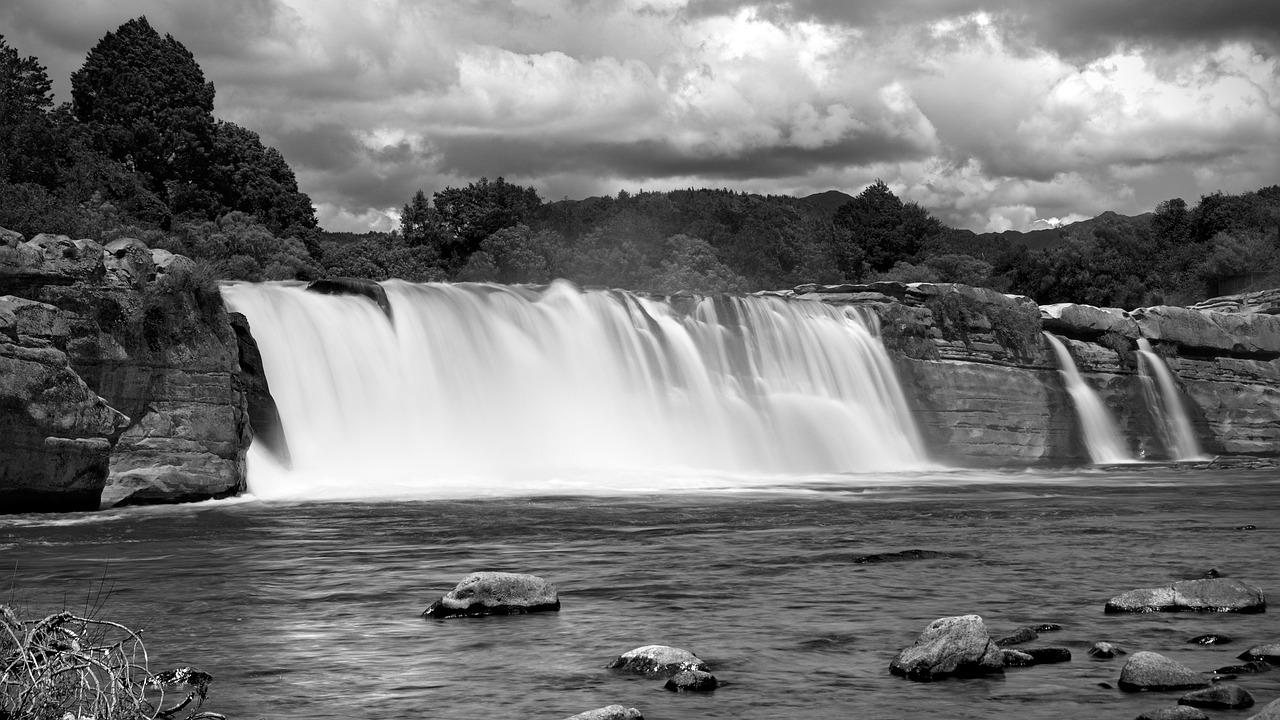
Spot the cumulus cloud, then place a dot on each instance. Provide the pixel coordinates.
(992, 115)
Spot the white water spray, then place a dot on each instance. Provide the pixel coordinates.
(1172, 421)
(486, 389)
(1101, 437)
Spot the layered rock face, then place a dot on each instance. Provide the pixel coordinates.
(986, 389)
(138, 369)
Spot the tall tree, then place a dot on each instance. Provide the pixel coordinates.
(887, 229)
(469, 215)
(147, 104)
(27, 134)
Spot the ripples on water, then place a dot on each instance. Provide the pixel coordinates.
(311, 609)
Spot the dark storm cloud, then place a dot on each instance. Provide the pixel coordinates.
(1072, 27)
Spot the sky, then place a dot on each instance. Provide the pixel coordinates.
(1007, 114)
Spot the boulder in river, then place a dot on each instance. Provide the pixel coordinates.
(1047, 655)
(1269, 653)
(1210, 639)
(1269, 712)
(1204, 595)
(1106, 650)
(1153, 671)
(1016, 658)
(1021, 635)
(1254, 666)
(1225, 696)
(1176, 712)
(496, 593)
(658, 660)
(692, 681)
(949, 646)
(610, 712)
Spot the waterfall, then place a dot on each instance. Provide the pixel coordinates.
(1166, 405)
(486, 388)
(1100, 434)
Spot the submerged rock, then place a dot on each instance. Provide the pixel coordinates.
(1153, 671)
(1269, 653)
(496, 593)
(1047, 655)
(1204, 595)
(1105, 650)
(949, 646)
(904, 556)
(1220, 697)
(658, 660)
(610, 712)
(1021, 635)
(1256, 666)
(1210, 639)
(354, 286)
(692, 681)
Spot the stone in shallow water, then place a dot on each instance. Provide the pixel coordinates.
(1021, 635)
(1016, 658)
(949, 646)
(1105, 650)
(496, 593)
(658, 660)
(1177, 712)
(1254, 666)
(1271, 711)
(1204, 595)
(692, 681)
(1226, 696)
(1210, 639)
(905, 556)
(1269, 653)
(1153, 671)
(611, 712)
(1047, 655)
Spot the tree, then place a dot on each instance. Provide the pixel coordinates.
(247, 176)
(887, 229)
(27, 135)
(147, 104)
(418, 224)
(469, 215)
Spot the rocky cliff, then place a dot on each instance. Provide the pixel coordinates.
(986, 389)
(120, 380)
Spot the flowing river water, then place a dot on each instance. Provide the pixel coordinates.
(311, 609)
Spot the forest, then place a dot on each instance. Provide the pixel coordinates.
(138, 152)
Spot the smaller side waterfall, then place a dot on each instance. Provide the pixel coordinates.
(1100, 434)
(1166, 405)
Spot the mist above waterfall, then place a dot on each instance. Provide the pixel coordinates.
(487, 389)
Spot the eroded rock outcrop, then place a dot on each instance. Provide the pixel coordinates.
(150, 339)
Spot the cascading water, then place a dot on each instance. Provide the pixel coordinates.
(490, 389)
(1166, 405)
(1101, 437)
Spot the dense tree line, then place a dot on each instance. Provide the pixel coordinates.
(138, 152)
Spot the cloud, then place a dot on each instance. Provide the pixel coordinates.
(987, 113)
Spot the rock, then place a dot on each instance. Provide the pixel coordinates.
(1269, 654)
(128, 262)
(496, 593)
(692, 681)
(1255, 666)
(949, 646)
(1087, 320)
(1210, 332)
(1105, 650)
(1048, 655)
(1226, 696)
(612, 712)
(1016, 658)
(354, 286)
(10, 238)
(903, 556)
(1021, 635)
(1177, 712)
(658, 660)
(1204, 595)
(1210, 639)
(56, 434)
(1047, 627)
(1271, 711)
(264, 416)
(1152, 671)
(1247, 527)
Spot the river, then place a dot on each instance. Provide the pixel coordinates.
(306, 609)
